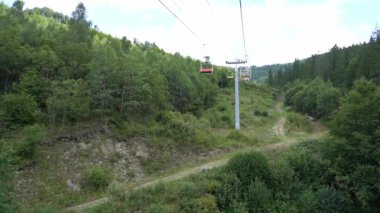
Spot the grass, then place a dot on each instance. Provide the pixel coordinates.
(50, 179)
(191, 194)
(256, 131)
(298, 123)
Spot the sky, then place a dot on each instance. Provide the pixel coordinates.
(276, 31)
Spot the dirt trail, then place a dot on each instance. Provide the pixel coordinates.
(182, 174)
(278, 129)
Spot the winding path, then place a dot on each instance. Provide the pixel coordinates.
(181, 174)
(278, 129)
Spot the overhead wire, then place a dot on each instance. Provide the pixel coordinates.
(242, 27)
(210, 8)
(209, 4)
(177, 5)
(221, 29)
(183, 23)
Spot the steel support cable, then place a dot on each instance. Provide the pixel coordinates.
(242, 27)
(183, 23)
(220, 28)
(208, 4)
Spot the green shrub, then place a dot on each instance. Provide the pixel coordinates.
(177, 126)
(226, 119)
(116, 191)
(117, 195)
(159, 208)
(18, 110)
(47, 208)
(7, 201)
(26, 150)
(103, 208)
(207, 203)
(317, 98)
(237, 136)
(306, 162)
(258, 197)
(307, 201)
(228, 192)
(211, 186)
(331, 200)
(282, 176)
(249, 166)
(238, 207)
(262, 113)
(297, 122)
(222, 108)
(187, 205)
(97, 178)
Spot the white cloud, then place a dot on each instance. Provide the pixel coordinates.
(276, 31)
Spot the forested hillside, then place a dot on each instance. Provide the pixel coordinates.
(262, 73)
(68, 71)
(340, 66)
(339, 173)
(84, 115)
(80, 108)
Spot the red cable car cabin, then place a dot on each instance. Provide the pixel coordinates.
(206, 67)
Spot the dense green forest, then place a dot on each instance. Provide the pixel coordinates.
(262, 73)
(340, 66)
(62, 79)
(339, 173)
(315, 85)
(60, 75)
(58, 72)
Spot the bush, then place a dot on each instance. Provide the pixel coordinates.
(282, 176)
(103, 208)
(159, 208)
(47, 208)
(116, 191)
(249, 166)
(262, 113)
(228, 192)
(33, 135)
(306, 162)
(298, 122)
(237, 136)
(178, 127)
(18, 110)
(117, 195)
(317, 98)
(97, 178)
(258, 197)
(331, 200)
(7, 201)
(207, 203)
(307, 201)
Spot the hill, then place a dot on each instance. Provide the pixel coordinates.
(261, 73)
(80, 108)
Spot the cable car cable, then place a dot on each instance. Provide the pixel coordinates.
(192, 32)
(242, 27)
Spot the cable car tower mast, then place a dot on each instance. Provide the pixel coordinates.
(236, 62)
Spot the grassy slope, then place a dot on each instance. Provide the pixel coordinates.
(169, 194)
(46, 182)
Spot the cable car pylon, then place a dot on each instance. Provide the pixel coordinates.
(237, 105)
